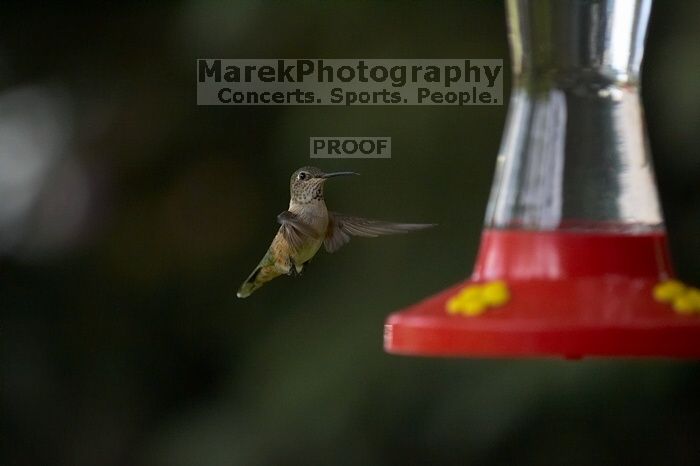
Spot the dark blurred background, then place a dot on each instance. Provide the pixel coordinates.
(129, 216)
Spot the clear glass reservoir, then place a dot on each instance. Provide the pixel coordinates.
(574, 154)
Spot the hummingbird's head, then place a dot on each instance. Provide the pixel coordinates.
(307, 183)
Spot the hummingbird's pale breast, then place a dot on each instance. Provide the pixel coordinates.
(315, 215)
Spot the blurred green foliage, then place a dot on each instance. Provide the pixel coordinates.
(125, 344)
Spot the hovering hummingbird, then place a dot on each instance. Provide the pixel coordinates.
(307, 225)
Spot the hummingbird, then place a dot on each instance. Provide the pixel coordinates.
(307, 225)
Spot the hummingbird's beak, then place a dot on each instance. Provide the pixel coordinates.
(331, 175)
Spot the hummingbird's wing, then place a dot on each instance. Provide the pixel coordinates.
(342, 227)
(294, 230)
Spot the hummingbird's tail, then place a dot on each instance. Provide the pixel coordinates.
(261, 275)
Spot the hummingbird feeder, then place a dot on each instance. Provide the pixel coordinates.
(573, 258)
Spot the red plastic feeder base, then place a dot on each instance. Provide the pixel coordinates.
(572, 295)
